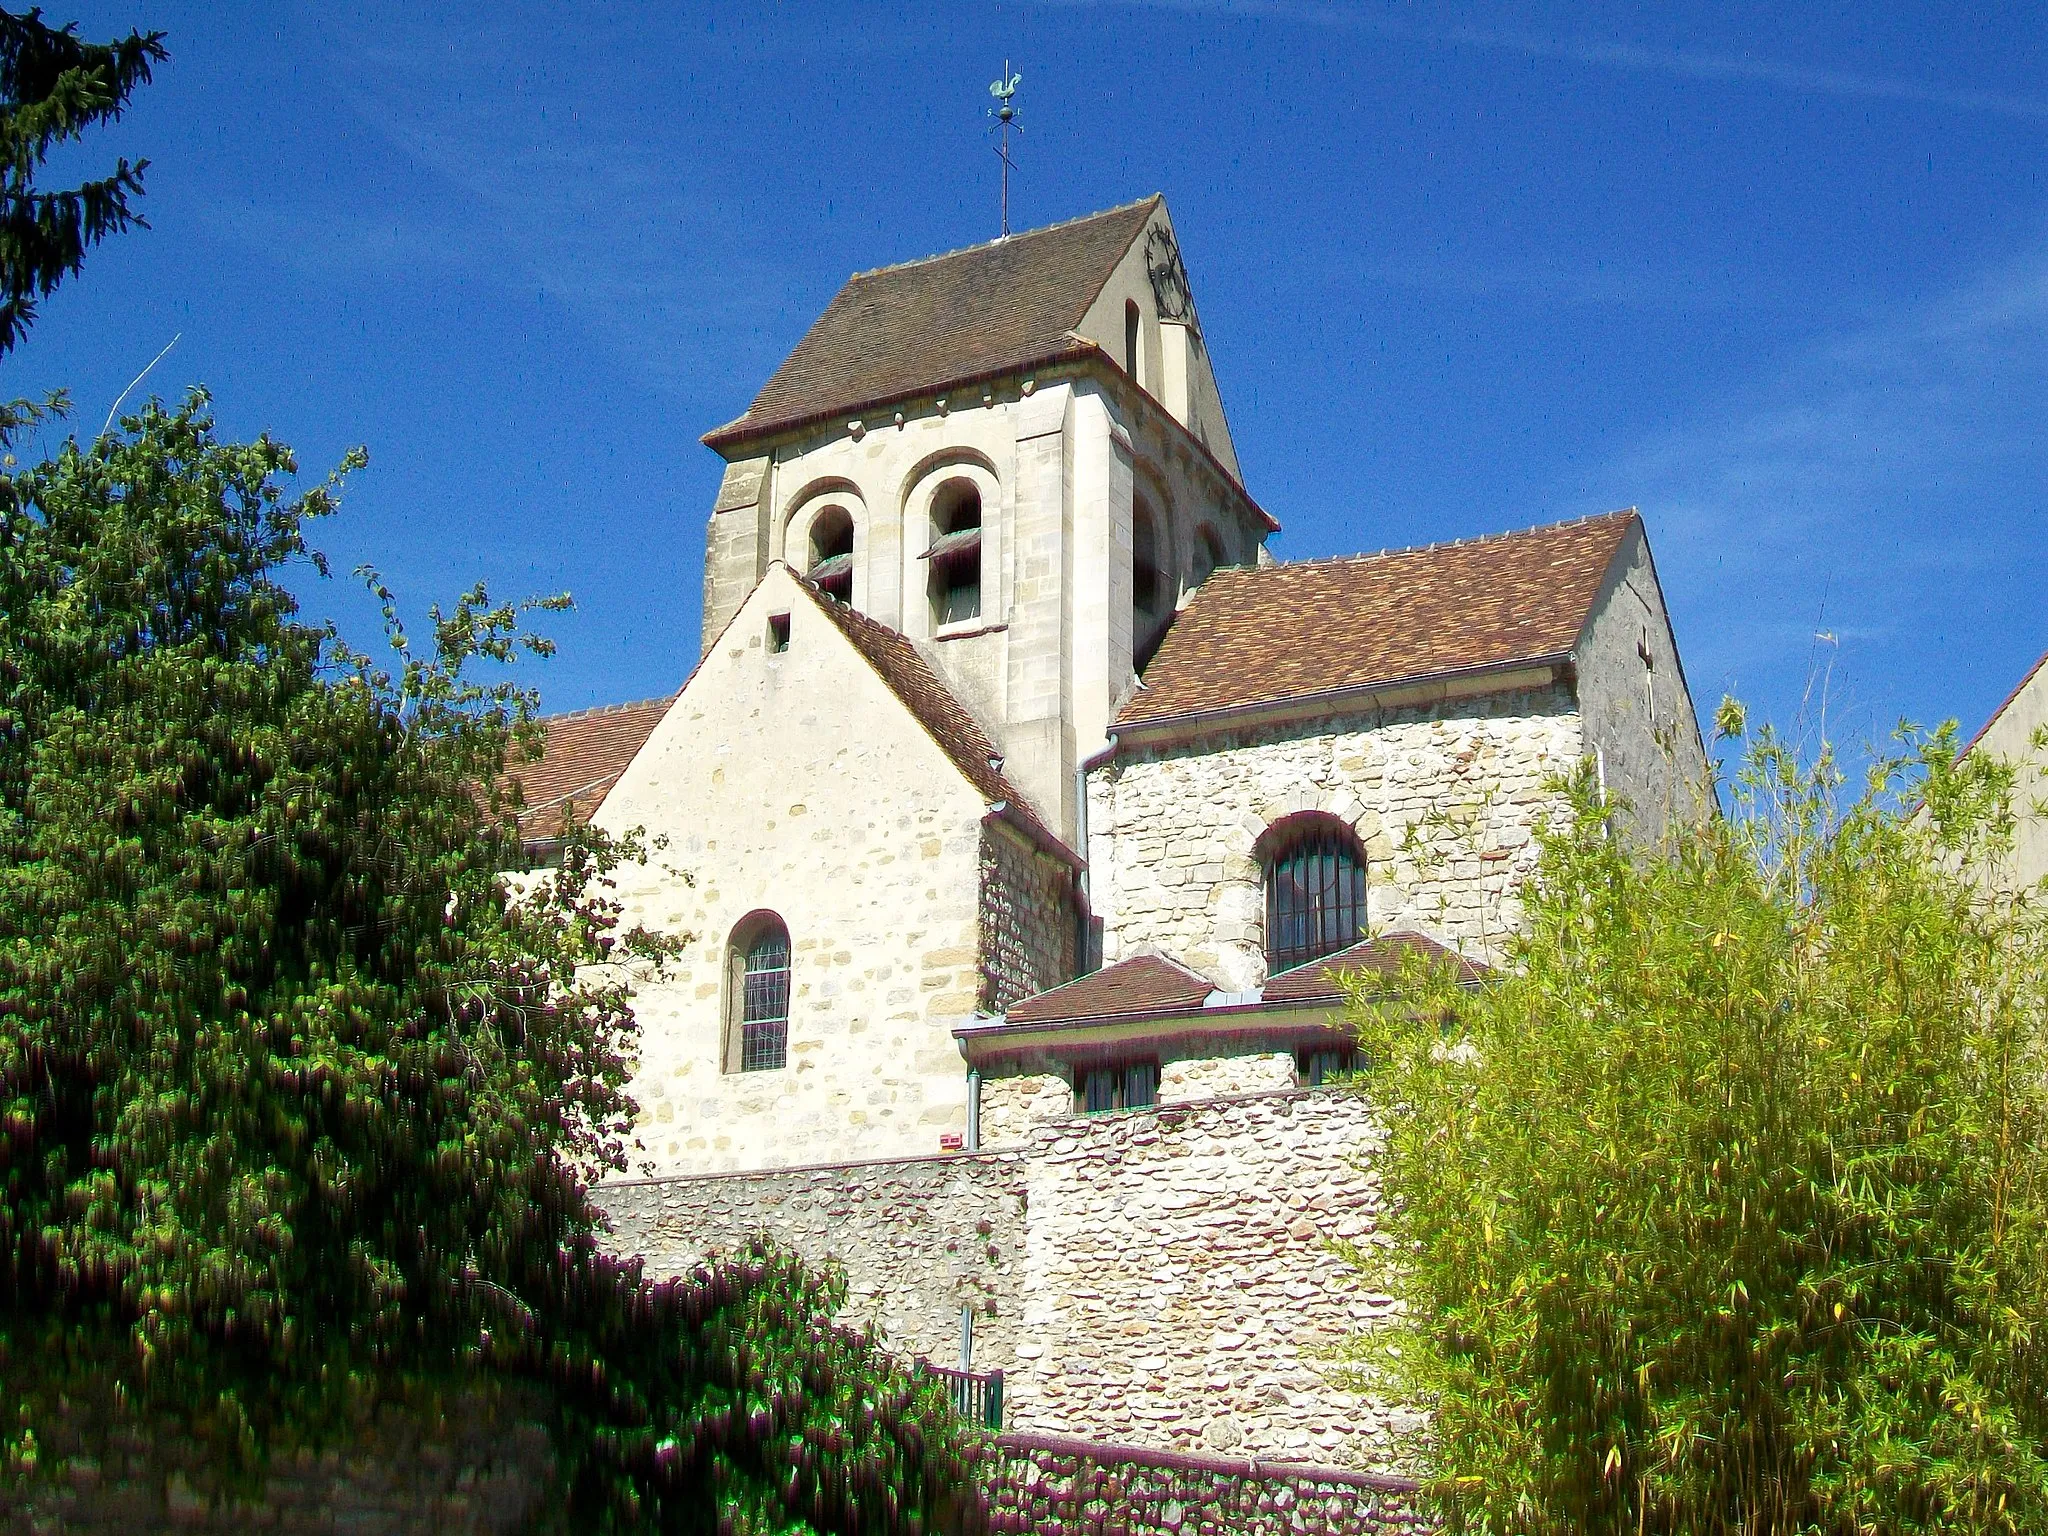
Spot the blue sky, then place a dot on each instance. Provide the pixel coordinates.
(1776, 275)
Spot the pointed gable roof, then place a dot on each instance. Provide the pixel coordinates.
(925, 325)
(944, 718)
(584, 753)
(1266, 634)
(1144, 984)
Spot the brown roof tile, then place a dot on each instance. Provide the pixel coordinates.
(1143, 984)
(942, 715)
(584, 755)
(900, 331)
(1264, 634)
(1383, 956)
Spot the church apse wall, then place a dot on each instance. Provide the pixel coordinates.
(1444, 798)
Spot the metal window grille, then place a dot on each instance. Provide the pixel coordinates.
(1321, 1066)
(1126, 1085)
(1315, 899)
(764, 1005)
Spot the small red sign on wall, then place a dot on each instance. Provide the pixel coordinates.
(950, 1141)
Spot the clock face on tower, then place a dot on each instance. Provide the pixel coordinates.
(1169, 278)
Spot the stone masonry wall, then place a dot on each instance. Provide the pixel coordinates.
(1051, 1485)
(919, 1238)
(794, 782)
(1027, 920)
(1445, 800)
(1158, 1278)
(460, 1466)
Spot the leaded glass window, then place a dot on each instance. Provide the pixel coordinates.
(1315, 895)
(764, 1003)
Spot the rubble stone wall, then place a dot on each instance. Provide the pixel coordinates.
(1054, 1486)
(1445, 799)
(1158, 1278)
(1027, 919)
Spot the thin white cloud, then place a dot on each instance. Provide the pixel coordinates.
(1875, 486)
(1632, 58)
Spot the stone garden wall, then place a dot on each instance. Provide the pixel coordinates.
(1157, 1278)
(1051, 1485)
(465, 1465)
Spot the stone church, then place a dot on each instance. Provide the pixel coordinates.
(1024, 809)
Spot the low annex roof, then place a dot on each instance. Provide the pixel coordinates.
(944, 718)
(1266, 634)
(584, 754)
(1143, 984)
(989, 309)
(1317, 981)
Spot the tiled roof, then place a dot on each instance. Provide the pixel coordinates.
(970, 314)
(584, 756)
(1143, 984)
(1265, 634)
(943, 716)
(1316, 981)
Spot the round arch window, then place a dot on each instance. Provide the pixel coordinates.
(1315, 891)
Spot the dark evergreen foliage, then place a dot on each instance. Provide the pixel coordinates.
(54, 86)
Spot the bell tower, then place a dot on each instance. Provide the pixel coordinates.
(1016, 456)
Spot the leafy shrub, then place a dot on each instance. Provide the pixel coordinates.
(296, 1093)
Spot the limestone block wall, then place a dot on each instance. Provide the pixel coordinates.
(1028, 925)
(1639, 716)
(1444, 798)
(1157, 1278)
(463, 1465)
(1015, 1103)
(1055, 457)
(796, 783)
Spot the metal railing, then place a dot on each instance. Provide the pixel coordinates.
(977, 1395)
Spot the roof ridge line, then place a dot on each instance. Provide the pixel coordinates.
(607, 709)
(1423, 549)
(1022, 234)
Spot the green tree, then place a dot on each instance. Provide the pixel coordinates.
(297, 1094)
(1722, 1209)
(53, 87)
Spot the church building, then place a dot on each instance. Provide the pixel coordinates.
(1023, 811)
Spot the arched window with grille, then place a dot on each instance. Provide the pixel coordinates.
(757, 991)
(1315, 890)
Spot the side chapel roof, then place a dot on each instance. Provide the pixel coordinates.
(950, 319)
(1140, 985)
(583, 756)
(1266, 634)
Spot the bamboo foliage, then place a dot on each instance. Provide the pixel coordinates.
(1723, 1210)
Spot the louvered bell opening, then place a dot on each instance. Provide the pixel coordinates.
(957, 545)
(833, 576)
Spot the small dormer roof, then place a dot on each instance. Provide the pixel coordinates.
(971, 314)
